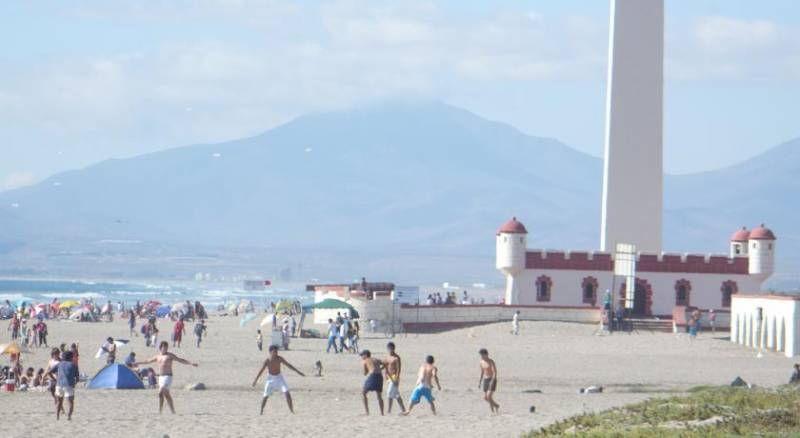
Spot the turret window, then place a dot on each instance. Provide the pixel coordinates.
(544, 286)
(682, 289)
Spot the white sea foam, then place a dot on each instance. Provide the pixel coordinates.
(76, 295)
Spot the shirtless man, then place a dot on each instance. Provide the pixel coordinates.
(428, 374)
(392, 367)
(164, 360)
(275, 378)
(488, 379)
(374, 381)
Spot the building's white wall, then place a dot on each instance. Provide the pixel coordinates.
(777, 328)
(566, 289)
(459, 314)
(705, 293)
(510, 251)
(762, 258)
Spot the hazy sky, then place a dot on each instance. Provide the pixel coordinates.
(83, 81)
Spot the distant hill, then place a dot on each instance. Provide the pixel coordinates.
(400, 188)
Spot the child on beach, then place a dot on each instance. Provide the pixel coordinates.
(259, 340)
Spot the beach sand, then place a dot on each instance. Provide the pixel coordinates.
(554, 358)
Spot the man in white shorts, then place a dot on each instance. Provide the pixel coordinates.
(164, 360)
(65, 374)
(275, 379)
(392, 367)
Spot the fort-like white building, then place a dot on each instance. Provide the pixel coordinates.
(663, 280)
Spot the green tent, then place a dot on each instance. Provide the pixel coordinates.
(330, 303)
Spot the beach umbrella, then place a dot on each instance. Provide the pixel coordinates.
(332, 304)
(12, 348)
(177, 307)
(247, 318)
(69, 303)
(23, 301)
(284, 306)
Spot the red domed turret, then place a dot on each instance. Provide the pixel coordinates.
(513, 227)
(762, 233)
(741, 236)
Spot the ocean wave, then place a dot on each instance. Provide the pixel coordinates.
(77, 295)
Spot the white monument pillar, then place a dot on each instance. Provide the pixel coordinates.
(633, 170)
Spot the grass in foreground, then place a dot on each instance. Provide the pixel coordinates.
(705, 412)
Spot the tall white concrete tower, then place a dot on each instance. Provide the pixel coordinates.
(633, 171)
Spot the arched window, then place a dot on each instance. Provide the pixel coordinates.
(544, 286)
(682, 289)
(728, 289)
(589, 290)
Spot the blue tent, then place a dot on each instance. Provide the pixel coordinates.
(115, 376)
(163, 311)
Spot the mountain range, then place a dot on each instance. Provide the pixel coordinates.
(402, 191)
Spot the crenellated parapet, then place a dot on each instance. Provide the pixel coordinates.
(645, 262)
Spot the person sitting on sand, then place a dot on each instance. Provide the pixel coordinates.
(488, 379)
(164, 361)
(275, 379)
(374, 381)
(795, 379)
(428, 374)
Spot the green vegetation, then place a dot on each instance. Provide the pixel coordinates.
(705, 412)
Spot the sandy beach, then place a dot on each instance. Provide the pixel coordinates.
(554, 358)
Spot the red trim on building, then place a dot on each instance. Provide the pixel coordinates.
(692, 264)
(576, 261)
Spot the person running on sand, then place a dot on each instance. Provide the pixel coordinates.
(392, 367)
(164, 360)
(275, 379)
(488, 379)
(374, 381)
(428, 374)
(66, 376)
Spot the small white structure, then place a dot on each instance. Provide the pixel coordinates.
(766, 322)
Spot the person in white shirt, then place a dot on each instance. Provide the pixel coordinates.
(515, 323)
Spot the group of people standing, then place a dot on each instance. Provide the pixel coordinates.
(34, 335)
(346, 331)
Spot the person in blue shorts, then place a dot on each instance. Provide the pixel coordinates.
(374, 381)
(428, 374)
